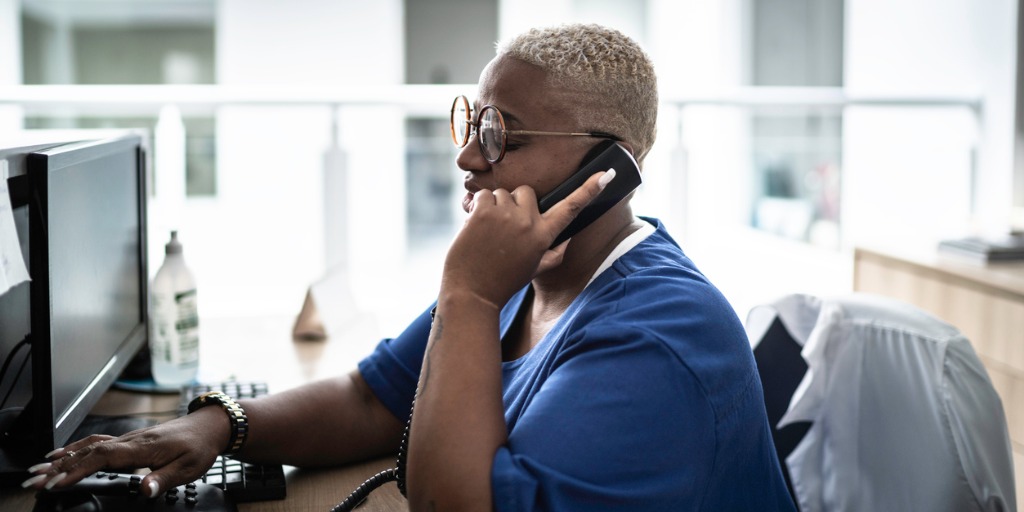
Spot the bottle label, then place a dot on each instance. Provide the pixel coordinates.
(176, 329)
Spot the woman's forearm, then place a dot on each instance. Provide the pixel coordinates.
(459, 422)
(328, 422)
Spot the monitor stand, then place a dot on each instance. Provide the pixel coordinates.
(15, 447)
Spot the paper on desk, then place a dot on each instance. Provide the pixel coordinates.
(12, 265)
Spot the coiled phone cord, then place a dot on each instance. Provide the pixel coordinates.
(395, 474)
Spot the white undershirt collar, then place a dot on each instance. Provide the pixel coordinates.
(631, 241)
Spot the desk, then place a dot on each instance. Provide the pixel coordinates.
(986, 302)
(263, 350)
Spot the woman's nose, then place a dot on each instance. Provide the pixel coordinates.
(470, 158)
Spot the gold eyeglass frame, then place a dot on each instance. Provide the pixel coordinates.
(475, 128)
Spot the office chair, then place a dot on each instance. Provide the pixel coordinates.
(877, 405)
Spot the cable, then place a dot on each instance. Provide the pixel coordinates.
(395, 474)
(364, 490)
(7, 363)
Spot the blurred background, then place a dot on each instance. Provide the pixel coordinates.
(294, 140)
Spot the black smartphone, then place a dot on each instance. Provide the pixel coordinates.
(606, 155)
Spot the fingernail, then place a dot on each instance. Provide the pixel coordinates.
(39, 468)
(55, 480)
(32, 481)
(55, 453)
(154, 488)
(606, 178)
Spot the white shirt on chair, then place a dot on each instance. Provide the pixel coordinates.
(904, 416)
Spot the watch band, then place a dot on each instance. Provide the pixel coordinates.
(236, 415)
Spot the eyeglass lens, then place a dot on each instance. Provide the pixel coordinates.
(491, 133)
(490, 128)
(460, 121)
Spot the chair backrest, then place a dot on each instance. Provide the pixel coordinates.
(890, 410)
(781, 368)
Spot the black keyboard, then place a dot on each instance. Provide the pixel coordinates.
(241, 481)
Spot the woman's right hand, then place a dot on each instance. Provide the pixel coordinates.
(178, 451)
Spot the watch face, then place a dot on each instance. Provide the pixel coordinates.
(208, 394)
(201, 400)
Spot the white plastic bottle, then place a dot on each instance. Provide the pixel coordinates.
(174, 320)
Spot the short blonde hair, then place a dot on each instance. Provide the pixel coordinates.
(614, 77)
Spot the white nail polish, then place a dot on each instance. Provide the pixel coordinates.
(606, 178)
(32, 481)
(55, 480)
(53, 454)
(154, 488)
(40, 468)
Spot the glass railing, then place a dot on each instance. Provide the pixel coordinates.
(274, 186)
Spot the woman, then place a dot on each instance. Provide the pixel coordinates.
(604, 374)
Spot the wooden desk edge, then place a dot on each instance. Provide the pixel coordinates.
(1005, 277)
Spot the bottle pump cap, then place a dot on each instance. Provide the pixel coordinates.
(174, 246)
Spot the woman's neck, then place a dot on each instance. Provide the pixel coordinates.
(555, 290)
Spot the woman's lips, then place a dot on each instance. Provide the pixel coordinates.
(467, 200)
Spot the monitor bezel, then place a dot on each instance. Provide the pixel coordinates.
(52, 433)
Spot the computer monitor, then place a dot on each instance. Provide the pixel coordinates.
(80, 213)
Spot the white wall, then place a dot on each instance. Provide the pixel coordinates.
(702, 189)
(260, 243)
(910, 169)
(627, 16)
(697, 48)
(10, 60)
(434, 55)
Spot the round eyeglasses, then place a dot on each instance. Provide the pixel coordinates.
(490, 130)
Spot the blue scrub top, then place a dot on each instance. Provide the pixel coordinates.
(643, 396)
